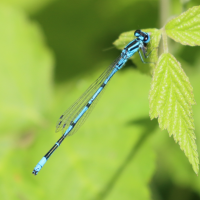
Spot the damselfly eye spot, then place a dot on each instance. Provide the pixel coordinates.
(145, 38)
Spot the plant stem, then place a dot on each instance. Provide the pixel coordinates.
(164, 11)
(164, 39)
(164, 15)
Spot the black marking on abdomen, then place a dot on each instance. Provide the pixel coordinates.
(60, 123)
(64, 125)
(51, 151)
(119, 65)
(72, 124)
(61, 139)
(88, 105)
(103, 85)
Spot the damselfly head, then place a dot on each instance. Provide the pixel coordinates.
(143, 36)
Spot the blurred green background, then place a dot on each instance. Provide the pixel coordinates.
(50, 52)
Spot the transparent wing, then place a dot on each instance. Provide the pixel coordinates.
(72, 112)
(86, 114)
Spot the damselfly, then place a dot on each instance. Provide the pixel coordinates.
(73, 117)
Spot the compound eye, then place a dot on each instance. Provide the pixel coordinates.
(146, 38)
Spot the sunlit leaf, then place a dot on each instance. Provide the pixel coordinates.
(25, 72)
(171, 98)
(186, 27)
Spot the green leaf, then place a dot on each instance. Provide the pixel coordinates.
(30, 6)
(171, 98)
(25, 72)
(185, 28)
(126, 37)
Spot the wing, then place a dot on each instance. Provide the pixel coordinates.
(72, 112)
